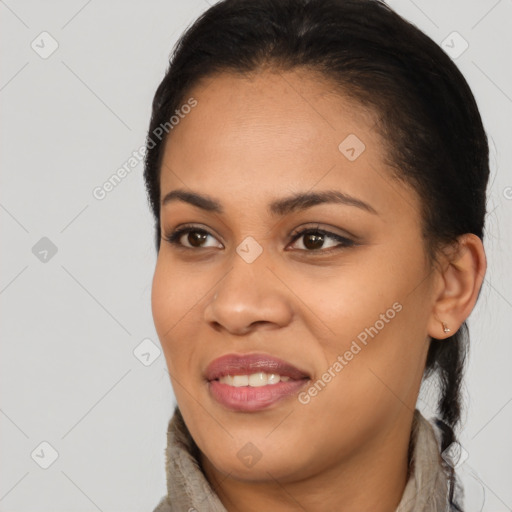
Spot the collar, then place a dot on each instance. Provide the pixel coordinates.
(188, 489)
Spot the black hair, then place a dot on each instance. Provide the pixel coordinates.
(426, 113)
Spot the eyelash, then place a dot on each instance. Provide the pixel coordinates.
(174, 237)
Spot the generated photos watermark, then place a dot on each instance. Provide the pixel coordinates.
(344, 359)
(100, 192)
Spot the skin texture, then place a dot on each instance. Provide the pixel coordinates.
(251, 140)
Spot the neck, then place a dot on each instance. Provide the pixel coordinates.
(381, 466)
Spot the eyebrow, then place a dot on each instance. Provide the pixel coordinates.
(281, 207)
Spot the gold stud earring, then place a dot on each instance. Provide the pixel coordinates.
(445, 328)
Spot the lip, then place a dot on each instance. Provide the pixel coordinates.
(245, 364)
(248, 398)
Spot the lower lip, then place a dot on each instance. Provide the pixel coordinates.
(247, 398)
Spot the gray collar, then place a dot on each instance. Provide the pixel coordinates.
(189, 490)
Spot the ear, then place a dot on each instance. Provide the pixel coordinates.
(459, 282)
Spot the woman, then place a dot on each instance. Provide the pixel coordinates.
(317, 170)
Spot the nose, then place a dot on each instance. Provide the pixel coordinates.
(249, 297)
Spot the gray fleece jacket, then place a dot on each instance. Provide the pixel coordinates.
(427, 489)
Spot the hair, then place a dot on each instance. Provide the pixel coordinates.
(426, 114)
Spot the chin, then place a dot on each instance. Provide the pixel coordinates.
(280, 465)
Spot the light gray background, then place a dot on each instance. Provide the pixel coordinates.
(70, 324)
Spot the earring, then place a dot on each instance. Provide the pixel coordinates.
(445, 328)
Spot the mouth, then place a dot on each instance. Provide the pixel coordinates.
(251, 382)
(255, 370)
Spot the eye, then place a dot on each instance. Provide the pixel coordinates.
(195, 238)
(314, 239)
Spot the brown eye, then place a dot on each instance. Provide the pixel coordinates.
(190, 238)
(314, 240)
(196, 238)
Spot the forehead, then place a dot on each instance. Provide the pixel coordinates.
(256, 136)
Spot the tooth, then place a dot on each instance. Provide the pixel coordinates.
(254, 380)
(240, 380)
(273, 378)
(227, 379)
(257, 379)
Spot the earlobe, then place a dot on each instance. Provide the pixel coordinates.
(441, 330)
(460, 283)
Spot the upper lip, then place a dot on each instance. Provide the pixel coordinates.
(246, 364)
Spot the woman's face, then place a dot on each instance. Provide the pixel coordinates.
(352, 314)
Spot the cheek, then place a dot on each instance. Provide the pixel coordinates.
(344, 302)
(162, 299)
(375, 324)
(174, 293)
(172, 297)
